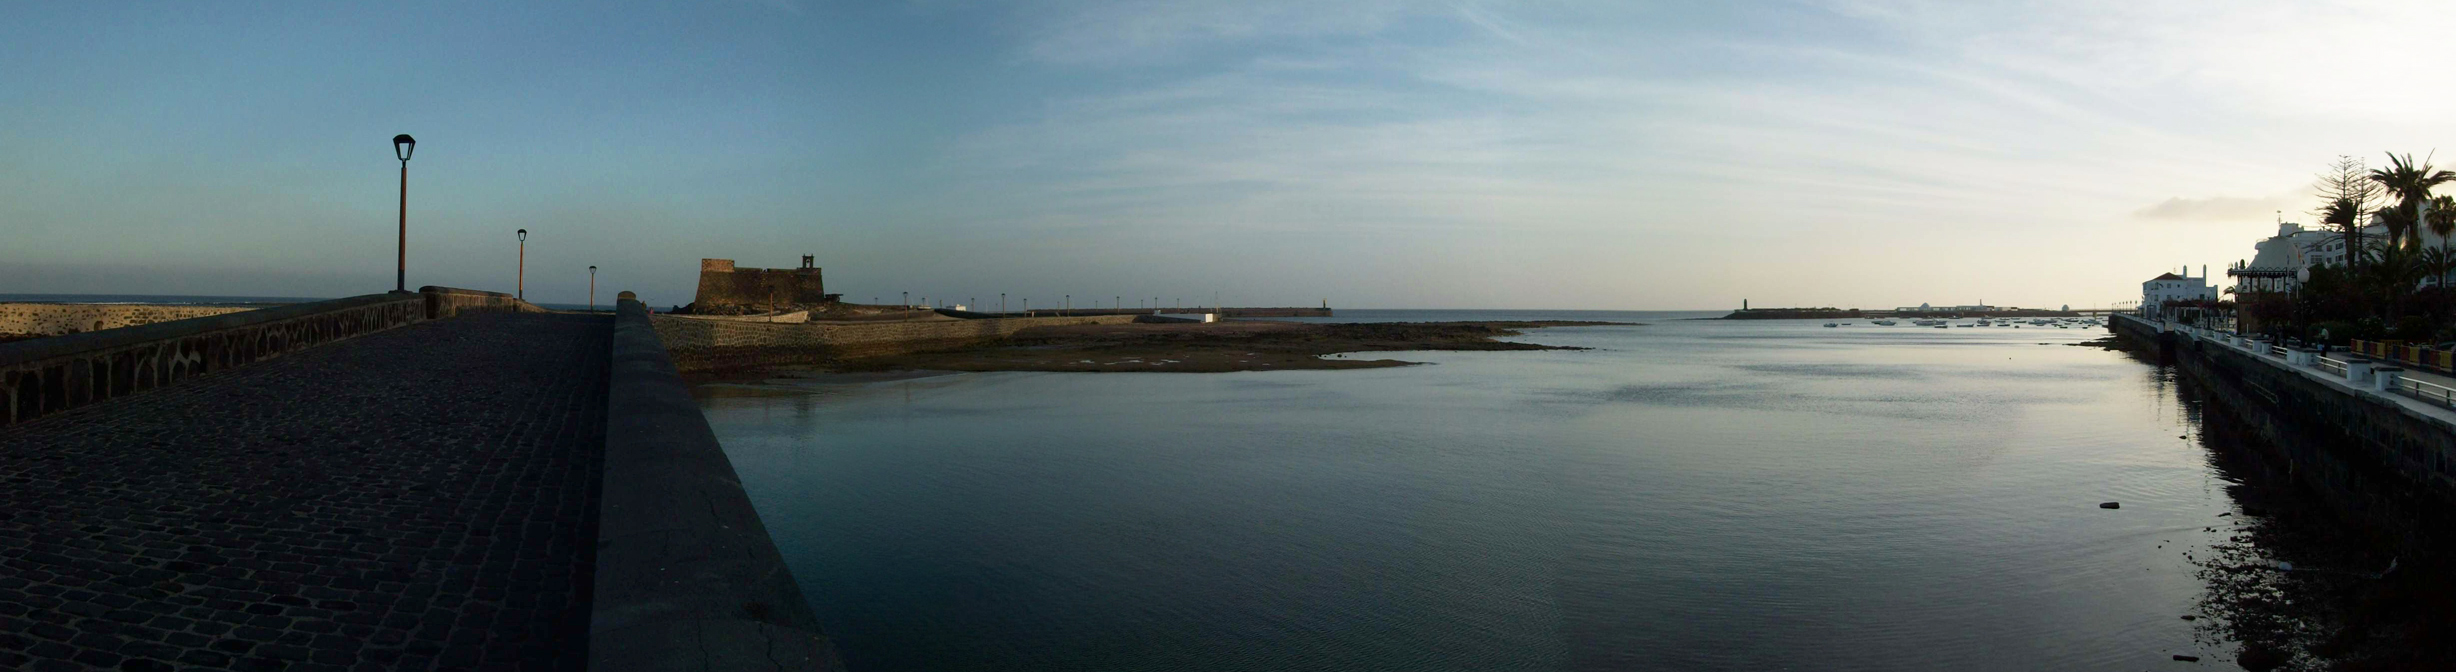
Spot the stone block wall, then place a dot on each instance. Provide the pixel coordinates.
(711, 345)
(55, 319)
(443, 302)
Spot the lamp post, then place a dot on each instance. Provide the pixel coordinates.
(1002, 304)
(592, 289)
(402, 147)
(520, 282)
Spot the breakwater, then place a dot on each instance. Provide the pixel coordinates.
(2381, 459)
(713, 345)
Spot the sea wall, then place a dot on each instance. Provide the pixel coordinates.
(2383, 461)
(711, 345)
(687, 577)
(55, 319)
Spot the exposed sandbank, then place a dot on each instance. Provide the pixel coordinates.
(1216, 347)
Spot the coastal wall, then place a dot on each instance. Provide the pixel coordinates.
(687, 577)
(2381, 459)
(711, 345)
(55, 319)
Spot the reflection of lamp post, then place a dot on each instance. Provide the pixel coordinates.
(592, 289)
(402, 146)
(520, 283)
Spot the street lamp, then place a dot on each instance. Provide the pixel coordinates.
(520, 283)
(402, 146)
(592, 289)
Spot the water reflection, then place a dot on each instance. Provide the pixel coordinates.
(1689, 495)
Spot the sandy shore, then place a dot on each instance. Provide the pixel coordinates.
(1226, 346)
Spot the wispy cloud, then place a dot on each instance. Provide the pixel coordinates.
(2219, 208)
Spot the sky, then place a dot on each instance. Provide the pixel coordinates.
(1368, 153)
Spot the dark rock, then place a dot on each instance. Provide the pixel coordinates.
(2110, 505)
(2259, 658)
(2187, 659)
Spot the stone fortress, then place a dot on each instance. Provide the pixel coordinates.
(727, 290)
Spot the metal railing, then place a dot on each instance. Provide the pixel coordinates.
(2336, 366)
(2435, 393)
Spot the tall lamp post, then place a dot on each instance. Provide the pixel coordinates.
(520, 283)
(402, 146)
(592, 289)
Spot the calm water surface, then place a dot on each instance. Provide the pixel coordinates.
(1686, 495)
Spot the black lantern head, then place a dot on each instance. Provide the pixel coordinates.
(403, 145)
(524, 235)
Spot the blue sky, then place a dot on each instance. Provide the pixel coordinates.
(1376, 154)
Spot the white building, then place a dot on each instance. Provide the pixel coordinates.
(2278, 261)
(2170, 288)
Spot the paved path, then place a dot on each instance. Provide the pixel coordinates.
(421, 498)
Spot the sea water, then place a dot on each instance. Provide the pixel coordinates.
(1684, 494)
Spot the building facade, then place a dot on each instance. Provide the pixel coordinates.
(2169, 288)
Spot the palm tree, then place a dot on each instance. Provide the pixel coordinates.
(2438, 261)
(2410, 183)
(2442, 224)
(2346, 215)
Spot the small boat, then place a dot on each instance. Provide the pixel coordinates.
(1883, 323)
(1830, 325)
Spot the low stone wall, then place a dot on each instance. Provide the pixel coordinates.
(443, 302)
(47, 375)
(57, 319)
(687, 577)
(709, 345)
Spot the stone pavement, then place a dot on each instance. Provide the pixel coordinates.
(421, 498)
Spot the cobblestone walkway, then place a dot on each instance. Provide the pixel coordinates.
(422, 498)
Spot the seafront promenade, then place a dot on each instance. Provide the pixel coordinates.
(419, 498)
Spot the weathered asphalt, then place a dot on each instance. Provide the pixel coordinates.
(422, 498)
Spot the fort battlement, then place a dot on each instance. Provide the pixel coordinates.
(722, 286)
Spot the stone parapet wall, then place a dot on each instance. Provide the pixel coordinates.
(57, 319)
(443, 302)
(47, 375)
(687, 577)
(710, 345)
